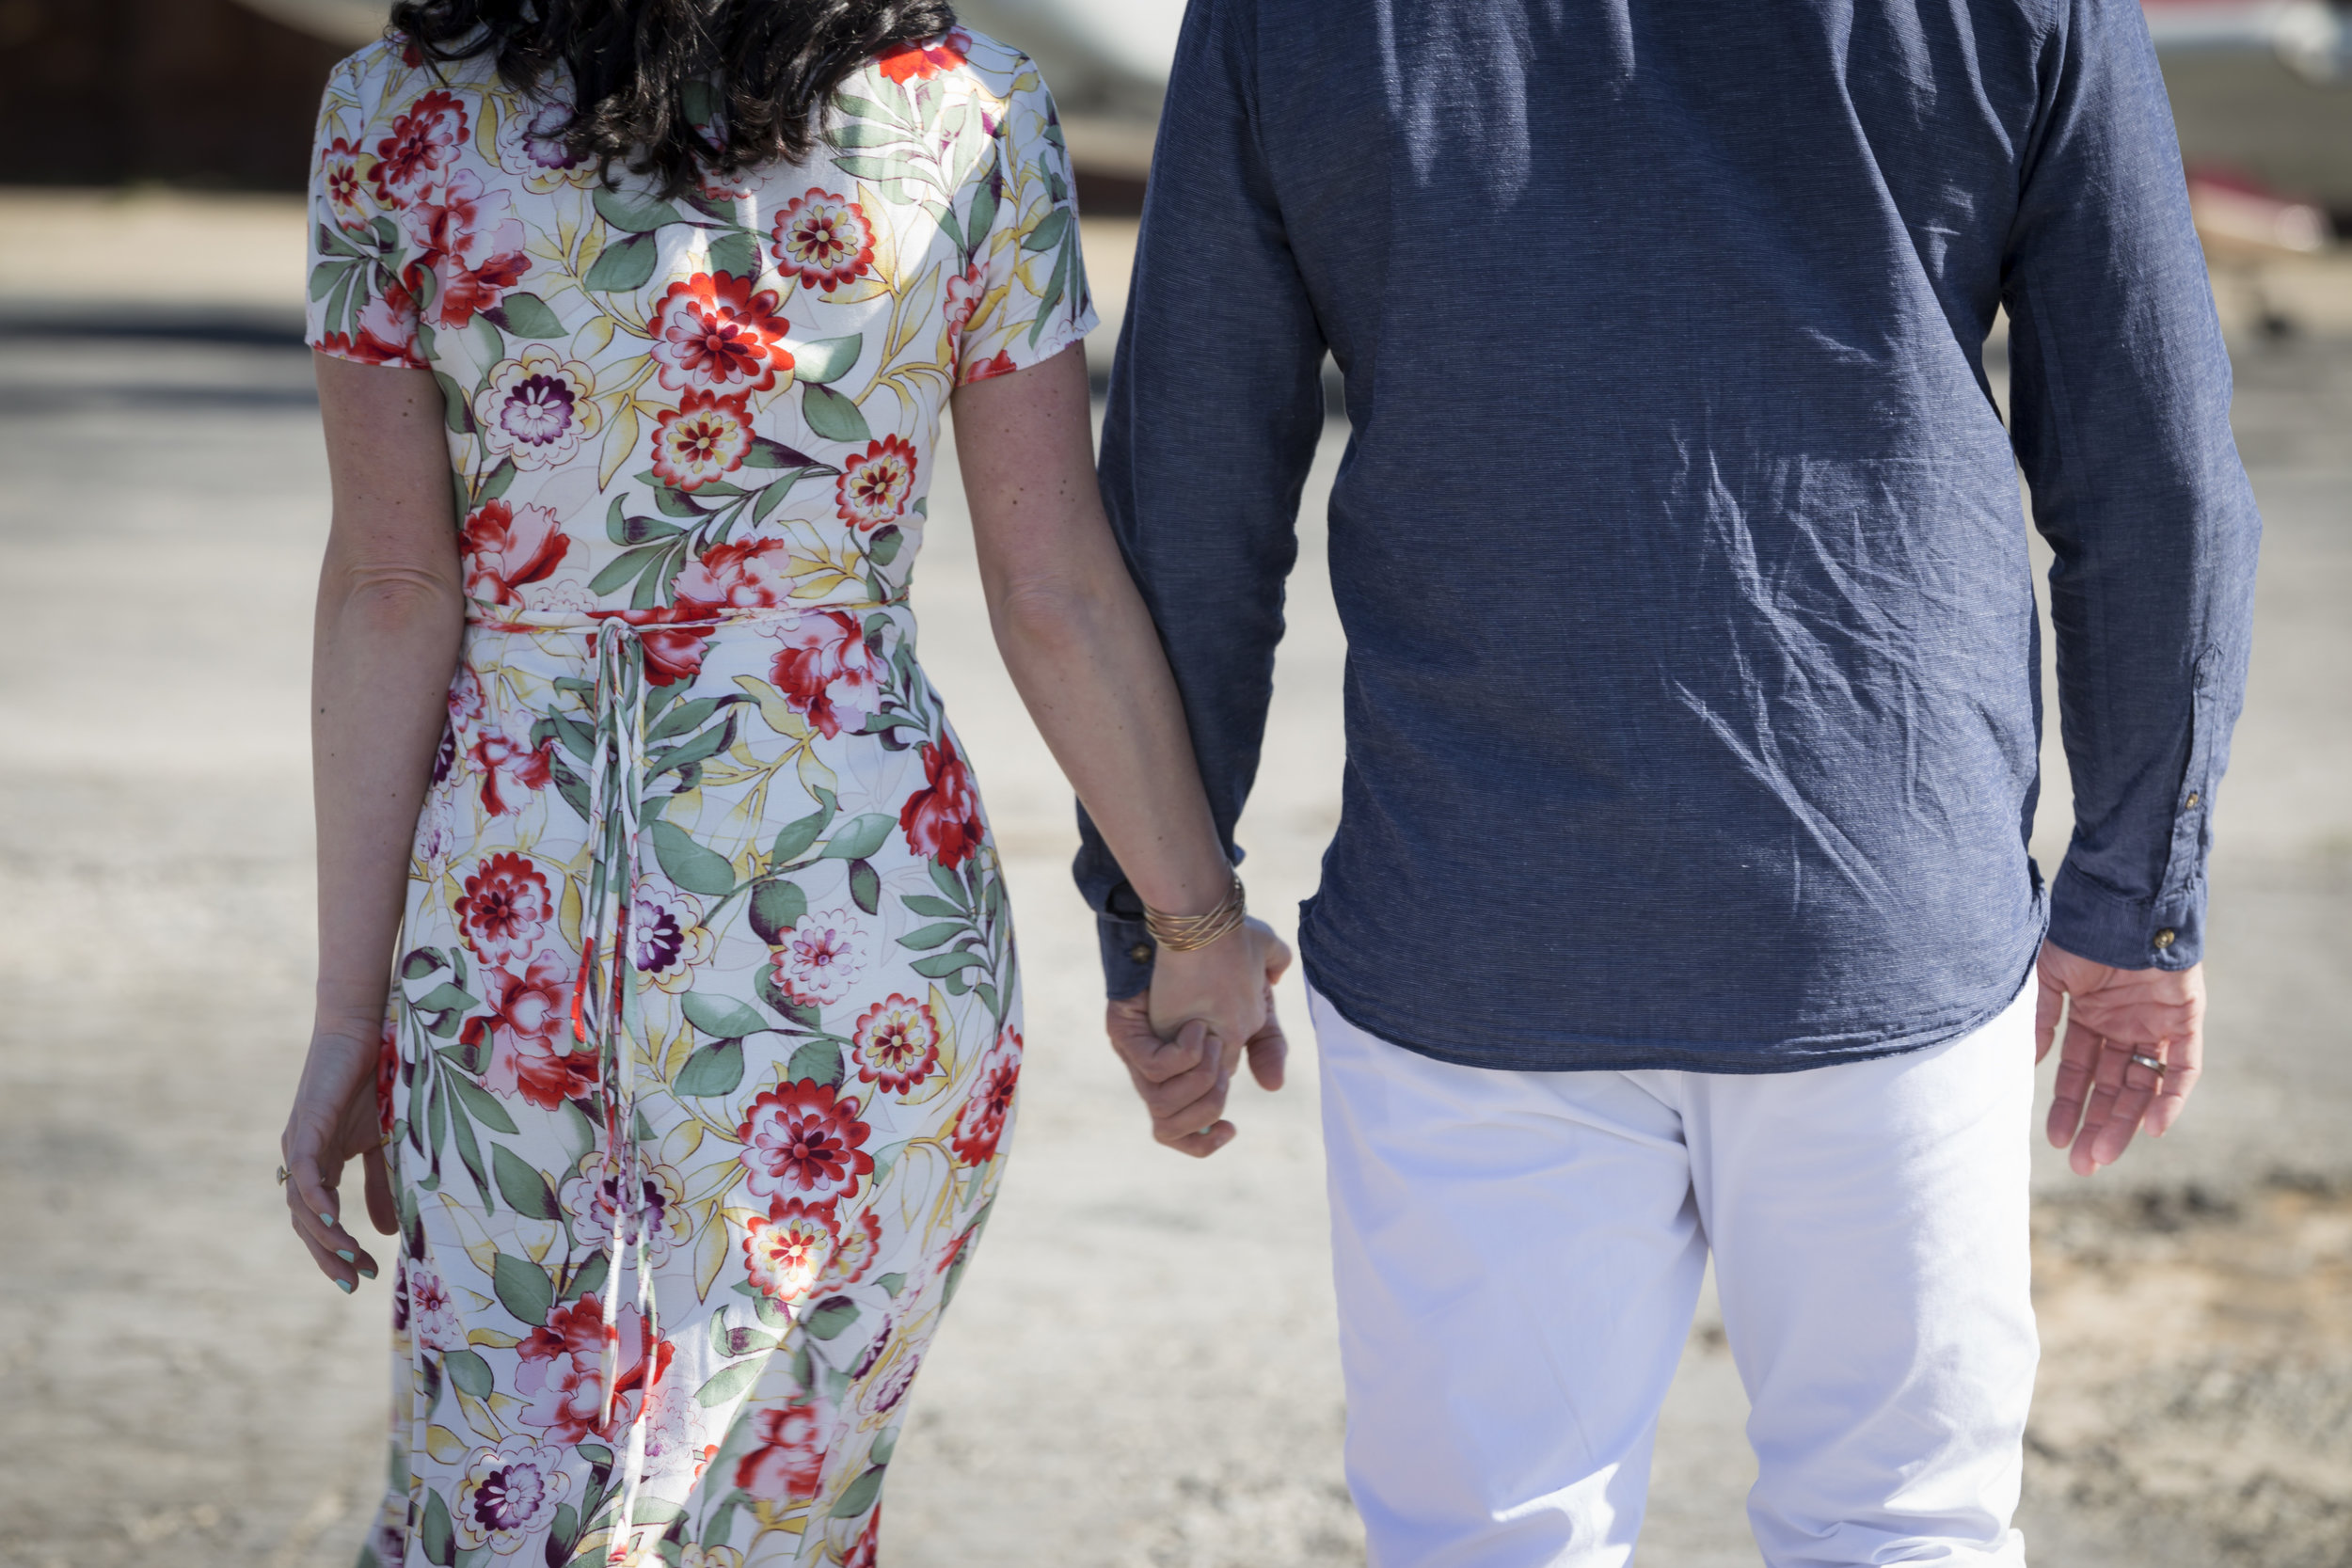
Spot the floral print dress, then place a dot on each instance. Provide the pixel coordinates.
(700, 1060)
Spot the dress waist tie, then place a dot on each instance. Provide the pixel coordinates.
(607, 1012)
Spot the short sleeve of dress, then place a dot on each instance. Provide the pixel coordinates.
(1032, 297)
(358, 309)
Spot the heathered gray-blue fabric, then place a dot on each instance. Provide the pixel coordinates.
(1690, 700)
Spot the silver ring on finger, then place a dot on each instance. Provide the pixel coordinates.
(2151, 1063)
(281, 1176)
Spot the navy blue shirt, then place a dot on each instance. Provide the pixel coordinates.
(1691, 703)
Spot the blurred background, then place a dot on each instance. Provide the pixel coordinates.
(1142, 1371)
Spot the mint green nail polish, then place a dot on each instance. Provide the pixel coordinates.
(325, 1218)
(347, 1256)
(366, 1272)
(343, 1285)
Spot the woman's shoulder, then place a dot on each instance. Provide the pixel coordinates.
(393, 72)
(958, 58)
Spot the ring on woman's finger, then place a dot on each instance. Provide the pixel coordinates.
(2151, 1063)
(281, 1176)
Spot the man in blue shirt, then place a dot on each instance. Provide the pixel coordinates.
(1680, 898)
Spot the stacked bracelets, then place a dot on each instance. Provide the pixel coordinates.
(1186, 933)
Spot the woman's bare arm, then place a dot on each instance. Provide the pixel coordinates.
(1081, 648)
(390, 613)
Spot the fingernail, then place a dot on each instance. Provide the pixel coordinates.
(325, 1218)
(343, 1285)
(368, 1270)
(347, 1256)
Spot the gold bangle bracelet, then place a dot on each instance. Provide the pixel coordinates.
(1187, 933)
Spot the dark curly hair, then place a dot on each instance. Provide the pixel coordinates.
(652, 79)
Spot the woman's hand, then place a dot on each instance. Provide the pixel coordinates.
(1183, 1038)
(334, 1119)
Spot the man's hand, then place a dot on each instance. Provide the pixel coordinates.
(2104, 1097)
(1216, 1004)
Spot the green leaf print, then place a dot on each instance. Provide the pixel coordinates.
(864, 887)
(776, 907)
(731, 1383)
(859, 838)
(563, 1532)
(638, 215)
(720, 1017)
(523, 1289)
(656, 1511)
(883, 548)
(456, 408)
(818, 1062)
(924, 938)
(892, 1284)
(688, 863)
(590, 1280)
(528, 316)
(721, 1520)
(623, 266)
(714, 1070)
(447, 1005)
(708, 743)
(738, 254)
(440, 1537)
(496, 485)
(470, 1152)
(832, 416)
(795, 838)
(422, 963)
(1048, 232)
(864, 108)
(626, 566)
(941, 964)
(524, 1187)
(687, 716)
(859, 1495)
(467, 1369)
(821, 364)
(924, 904)
(827, 1319)
(775, 454)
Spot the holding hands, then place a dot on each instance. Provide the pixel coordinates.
(1183, 1038)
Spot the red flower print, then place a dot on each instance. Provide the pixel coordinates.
(963, 297)
(713, 334)
(343, 173)
(896, 1044)
(786, 1253)
(505, 908)
(702, 439)
(827, 671)
(921, 61)
(512, 769)
(386, 1078)
(862, 1551)
(387, 333)
(529, 1028)
(791, 1453)
(980, 1125)
(800, 1140)
(562, 1368)
(988, 370)
(423, 143)
(824, 238)
(856, 1247)
(746, 576)
(472, 242)
(673, 653)
(942, 820)
(505, 548)
(876, 484)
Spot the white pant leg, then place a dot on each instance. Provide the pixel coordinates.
(1516, 1256)
(1869, 1229)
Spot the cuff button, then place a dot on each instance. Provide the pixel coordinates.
(2193, 800)
(2164, 939)
(1141, 952)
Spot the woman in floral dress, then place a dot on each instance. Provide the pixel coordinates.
(691, 1093)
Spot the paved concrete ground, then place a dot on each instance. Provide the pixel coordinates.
(1141, 1370)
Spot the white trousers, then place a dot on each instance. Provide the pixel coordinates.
(1518, 1256)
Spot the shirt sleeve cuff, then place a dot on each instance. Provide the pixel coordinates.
(2092, 919)
(1127, 954)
